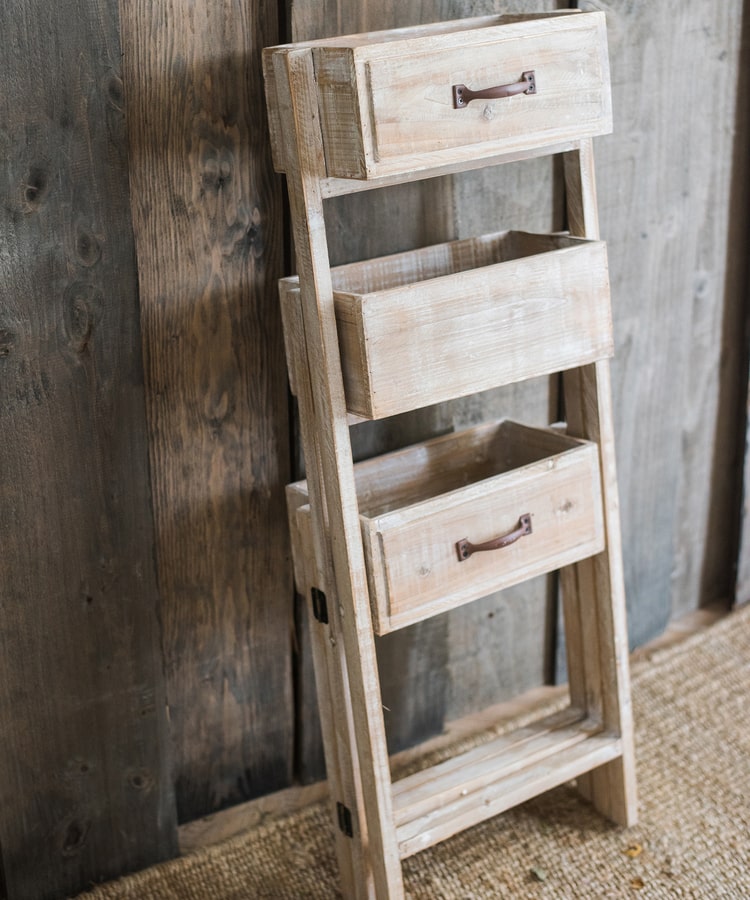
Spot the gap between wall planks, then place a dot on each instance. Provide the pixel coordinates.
(208, 224)
(666, 179)
(85, 792)
(739, 323)
(488, 651)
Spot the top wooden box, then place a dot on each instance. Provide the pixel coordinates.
(386, 99)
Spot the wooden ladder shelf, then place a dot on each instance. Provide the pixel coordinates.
(388, 542)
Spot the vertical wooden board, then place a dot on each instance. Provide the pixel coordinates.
(309, 759)
(664, 180)
(500, 647)
(85, 791)
(208, 220)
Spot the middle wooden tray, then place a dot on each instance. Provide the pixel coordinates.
(536, 489)
(453, 319)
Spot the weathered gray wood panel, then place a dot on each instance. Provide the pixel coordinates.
(666, 179)
(208, 223)
(85, 792)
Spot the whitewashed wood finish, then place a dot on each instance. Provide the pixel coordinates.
(474, 485)
(410, 95)
(435, 787)
(386, 106)
(594, 590)
(422, 327)
(308, 546)
(361, 39)
(359, 728)
(336, 187)
(514, 769)
(504, 781)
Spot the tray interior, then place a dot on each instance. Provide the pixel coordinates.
(440, 260)
(451, 462)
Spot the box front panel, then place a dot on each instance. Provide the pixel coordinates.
(423, 572)
(452, 336)
(414, 122)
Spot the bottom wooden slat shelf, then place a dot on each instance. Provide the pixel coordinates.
(436, 803)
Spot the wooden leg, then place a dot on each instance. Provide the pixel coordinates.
(594, 591)
(333, 501)
(594, 608)
(334, 702)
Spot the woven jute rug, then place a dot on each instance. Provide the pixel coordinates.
(692, 711)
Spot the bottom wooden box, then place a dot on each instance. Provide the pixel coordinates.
(532, 494)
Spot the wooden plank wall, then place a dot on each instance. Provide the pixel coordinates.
(671, 201)
(105, 620)
(208, 222)
(85, 788)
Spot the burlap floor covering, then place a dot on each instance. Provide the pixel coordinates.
(692, 713)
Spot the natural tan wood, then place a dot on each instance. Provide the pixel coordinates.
(595, 597)
(572, 753)
(231, 822)
(493, 649)
(301, 25)
(314, 570)
(337, 187)
(415, 504)
(385, 106)
(529, 305)
(368, 549)
(331, 449)
(415, 679)
(435, 787)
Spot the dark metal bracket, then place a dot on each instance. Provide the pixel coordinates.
(319, 605)
(345, 819)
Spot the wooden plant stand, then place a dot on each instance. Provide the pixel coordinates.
(388, 542)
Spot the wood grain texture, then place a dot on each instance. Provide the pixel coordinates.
(665, 182)
(493, 649)
(388, 106)
(313, 578)
(350, 651)
(503, 645)
(85, 792)
(575, 751)
(207, 214)
(530, 305)
(519, 317)
(416, 503)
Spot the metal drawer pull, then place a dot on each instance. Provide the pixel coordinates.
(462, 96)
(465, 548)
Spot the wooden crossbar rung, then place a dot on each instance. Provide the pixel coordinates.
(437, 803)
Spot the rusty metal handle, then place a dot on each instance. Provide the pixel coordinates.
(465, 548)
(462, 96)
